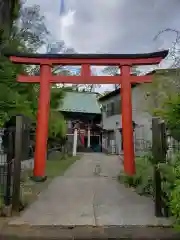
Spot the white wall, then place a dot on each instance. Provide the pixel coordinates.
(139, 115)
(109, 123)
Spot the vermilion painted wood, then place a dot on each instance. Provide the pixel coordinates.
(85, 71)
(127, 128)
(131, 62)
(124, 61)
(87, 80)
(42, 122)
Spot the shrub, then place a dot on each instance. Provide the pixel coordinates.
(174, 202)
(142, 180)
(171, 186)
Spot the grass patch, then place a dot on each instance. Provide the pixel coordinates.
(58, 167)
(30, 190)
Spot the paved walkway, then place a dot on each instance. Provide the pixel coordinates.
(89, 194)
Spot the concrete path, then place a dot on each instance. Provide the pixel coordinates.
(89, 194)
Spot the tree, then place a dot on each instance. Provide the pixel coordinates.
(26, 35)
(162, 96)
(163, 93)
(168, 80)
(30, 28)
(156, 93)
(111, 70)
(174, 53)
(86, 87)
(57, 126)
(60, 47)
(171, 115)
(11, 98)
(9, 11)
(115, 71)
(16, 98)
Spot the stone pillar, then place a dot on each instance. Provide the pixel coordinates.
(89, 138)
(75, 142)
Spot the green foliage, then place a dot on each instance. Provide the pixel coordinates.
(57, 95)
(175, 201)
(12, 100)
(16, 4)
(170, 172)
(165, 102)
(57, 125)
(163, 98)
(9, 11)
(29, 33)
(169, 110)
(142, 181)
(171, 114)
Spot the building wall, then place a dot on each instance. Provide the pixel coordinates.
(111, 122)
(139, 115)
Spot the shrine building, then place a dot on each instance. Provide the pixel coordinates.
(82, 110)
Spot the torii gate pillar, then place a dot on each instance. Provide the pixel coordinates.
(124, 61)
(42, 123)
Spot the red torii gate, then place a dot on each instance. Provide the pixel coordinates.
(46, 61)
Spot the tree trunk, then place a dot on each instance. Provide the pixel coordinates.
(7, 16)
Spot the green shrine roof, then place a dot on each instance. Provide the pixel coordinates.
(84, 102)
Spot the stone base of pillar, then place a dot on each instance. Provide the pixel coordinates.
(38, 179)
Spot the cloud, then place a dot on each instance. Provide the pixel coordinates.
(122, 26)
(113, 26)
(116, 26)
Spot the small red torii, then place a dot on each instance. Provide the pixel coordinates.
(46, 62)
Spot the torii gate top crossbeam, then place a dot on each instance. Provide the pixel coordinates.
(85, 60)
(96, 59)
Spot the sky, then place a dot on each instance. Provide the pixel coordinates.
(112, 26)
